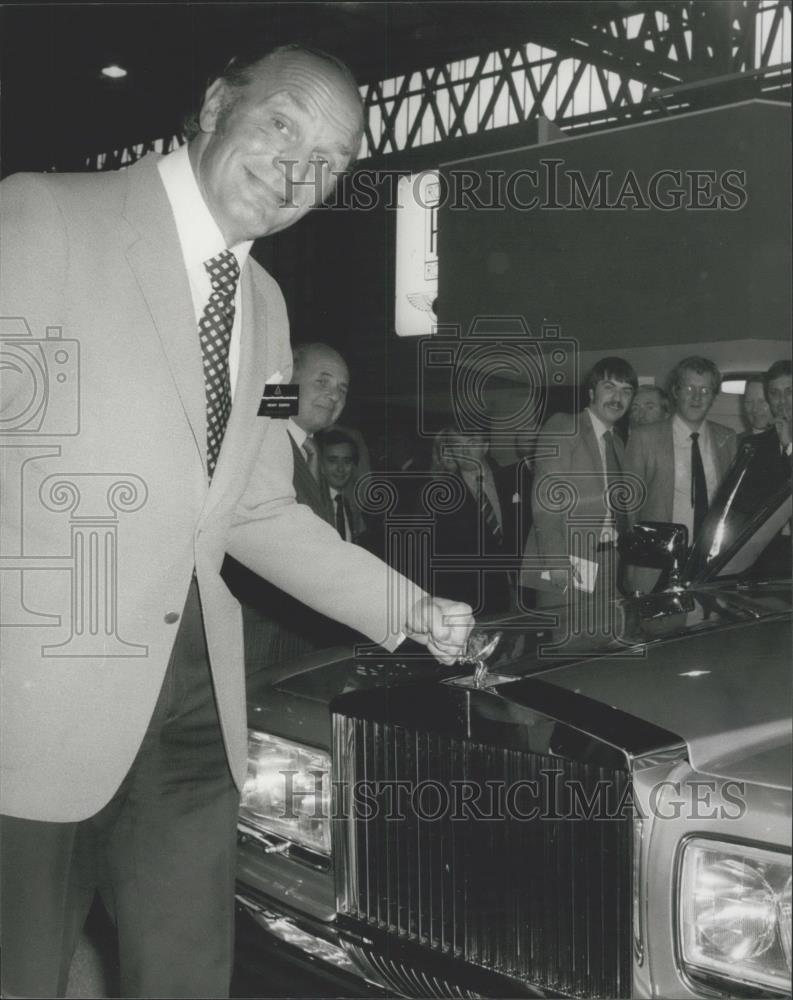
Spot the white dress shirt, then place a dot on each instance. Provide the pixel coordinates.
(682, 509)
(200, 240)
(297, 433)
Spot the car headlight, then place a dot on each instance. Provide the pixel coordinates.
(734, 913)
(287, 791)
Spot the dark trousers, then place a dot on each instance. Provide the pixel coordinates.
(162, 852)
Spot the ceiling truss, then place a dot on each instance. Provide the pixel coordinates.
(655, 60)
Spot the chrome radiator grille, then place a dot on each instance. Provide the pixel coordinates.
(544, 900)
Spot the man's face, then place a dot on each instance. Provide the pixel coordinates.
(324, 380)
(780, 397)
(694, 396)
(755, 406)
(338, 464)
(647, 407)
(469, 450)
(610, 399)
(267, 151)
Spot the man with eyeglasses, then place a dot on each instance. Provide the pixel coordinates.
(681, 461)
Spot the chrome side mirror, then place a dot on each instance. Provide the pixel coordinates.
(657, 545)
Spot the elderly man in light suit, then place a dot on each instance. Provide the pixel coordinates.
(681, 461)
(122, 759)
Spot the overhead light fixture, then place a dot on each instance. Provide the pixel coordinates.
(114, 71)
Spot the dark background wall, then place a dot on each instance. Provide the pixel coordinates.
(631, 281)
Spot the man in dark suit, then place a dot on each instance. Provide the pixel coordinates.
(279, 627)
(572, 545)
(484, 524)
(681, 461)
(125, 745)
(767, 460)
(324, 381)
(338, 465)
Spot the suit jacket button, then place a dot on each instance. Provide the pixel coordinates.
(171, 617)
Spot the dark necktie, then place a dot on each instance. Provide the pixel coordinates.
(614, 477)
(214, 330)
(312, 458)
(699, 486)
(341, 526)
(488, 513)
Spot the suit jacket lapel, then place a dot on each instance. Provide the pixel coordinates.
(308, 490)
(590, 441)
(155, 256)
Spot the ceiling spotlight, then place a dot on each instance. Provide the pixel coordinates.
(114, 71)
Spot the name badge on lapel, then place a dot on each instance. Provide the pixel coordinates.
(279, 401)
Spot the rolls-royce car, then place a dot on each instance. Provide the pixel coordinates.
(566, 814)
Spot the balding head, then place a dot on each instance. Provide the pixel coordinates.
(274, 136)
(324, 379)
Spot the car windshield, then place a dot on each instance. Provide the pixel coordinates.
(747, 531)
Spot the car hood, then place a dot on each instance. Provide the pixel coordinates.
(725, 692)
(711, 667)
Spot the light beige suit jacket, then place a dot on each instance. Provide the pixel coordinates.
(650, 456)
(98, 255)
(568, 494)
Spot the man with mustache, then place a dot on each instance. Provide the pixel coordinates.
(573, 523)
(681, 461)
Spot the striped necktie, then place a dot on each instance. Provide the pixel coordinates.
(312, 457)
(488, 513)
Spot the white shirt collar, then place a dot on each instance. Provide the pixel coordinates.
(682, 432)
(199, 235)
(600, 428)
(298, 434)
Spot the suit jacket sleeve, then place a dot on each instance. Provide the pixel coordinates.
(287, 544)
(550, 527)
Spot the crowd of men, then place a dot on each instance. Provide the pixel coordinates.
(122, 770)
(543, 530)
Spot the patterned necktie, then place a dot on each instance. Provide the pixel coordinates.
(214, 329)
(614, 476)
(699, 485)
(341, 525)
(488, 513)
(312, 458)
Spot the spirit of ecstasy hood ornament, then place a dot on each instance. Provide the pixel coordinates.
(479, 647)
